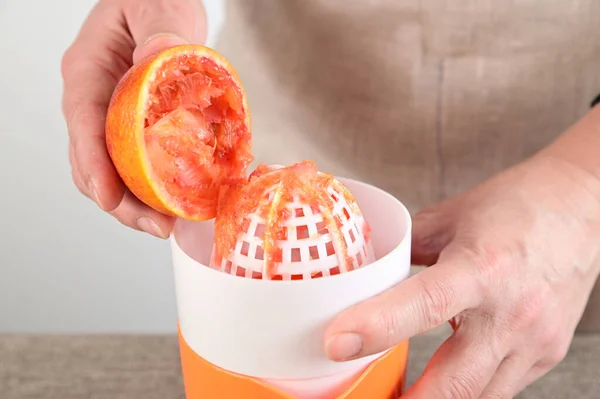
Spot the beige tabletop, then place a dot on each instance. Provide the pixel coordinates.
(138, 366)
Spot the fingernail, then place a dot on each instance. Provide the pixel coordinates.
(157, 35)
(149, 226)
(344, 346)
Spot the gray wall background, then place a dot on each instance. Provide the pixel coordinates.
(65, 266)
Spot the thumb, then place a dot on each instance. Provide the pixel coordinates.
(157, 25)
(414, 306)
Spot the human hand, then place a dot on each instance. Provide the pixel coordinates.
(514, 261)
(117, 34)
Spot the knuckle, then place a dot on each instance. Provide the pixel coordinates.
(436, 301)
(484, 253)
(556, 354)
(66, 61)
(73, 60)
(528, 309)
(494, 258)
(548, 337)
(460, 386)
(525, 314)
(487, 265)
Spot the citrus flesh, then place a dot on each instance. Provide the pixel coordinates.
(268, 192)
(178, 130)
(195, 131)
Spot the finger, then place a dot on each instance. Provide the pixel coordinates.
(432, 231)
(161, 24)
(135, 214)
(96, 171)
(418, 304)
(91, 68)
(506, 383)
(460, 369)
(75, 173)
(535, 373)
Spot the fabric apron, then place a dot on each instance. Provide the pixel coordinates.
(424, 99)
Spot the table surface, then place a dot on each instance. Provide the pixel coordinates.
(145, 366)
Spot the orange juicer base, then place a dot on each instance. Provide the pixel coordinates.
(383, 379)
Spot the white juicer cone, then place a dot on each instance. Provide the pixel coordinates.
(321, 239)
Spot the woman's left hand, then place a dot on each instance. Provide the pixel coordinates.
(513, 264)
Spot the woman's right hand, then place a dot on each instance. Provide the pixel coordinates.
(117, 34)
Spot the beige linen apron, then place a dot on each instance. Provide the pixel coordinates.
(422, 98)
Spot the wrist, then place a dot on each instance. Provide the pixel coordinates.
(574, 164)
(579, 148)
